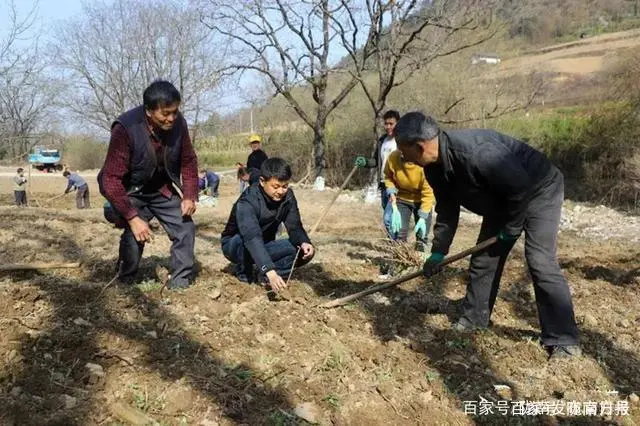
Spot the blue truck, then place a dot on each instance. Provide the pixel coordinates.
(45, 159)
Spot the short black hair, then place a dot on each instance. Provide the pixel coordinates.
(414, 127)
(20, 170)
(66, 173)
(244, 170)
(392, 113)
(275, 168)
(160, 93)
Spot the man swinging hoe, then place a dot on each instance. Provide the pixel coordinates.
(515, 188)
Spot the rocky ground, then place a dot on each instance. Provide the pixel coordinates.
(73, 352)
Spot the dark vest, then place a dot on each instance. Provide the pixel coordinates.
(143, 161)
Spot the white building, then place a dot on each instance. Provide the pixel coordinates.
(485, 58)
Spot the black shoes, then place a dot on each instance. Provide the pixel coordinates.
(563, 351)
(251, 276)
(178, 286)
(465, 326)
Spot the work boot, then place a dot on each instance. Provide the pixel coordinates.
(179, 286)
(465, 326)
(247, 273)
(563, 351)
(127, 281)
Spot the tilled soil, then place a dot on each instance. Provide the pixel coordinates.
(74, 352)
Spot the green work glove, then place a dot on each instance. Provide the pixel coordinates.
(432, 265)
(361, 162)
(396, 219)
(507, 238)
(421, 228)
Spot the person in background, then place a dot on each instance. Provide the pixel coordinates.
(257, 156)
(208, 182)
(242, 183)
(249, 237)
(386, 145)
(77, 183)
(20, 188)
(247, 177)
(409, 195)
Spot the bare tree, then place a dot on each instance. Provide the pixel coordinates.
(26, 91)
(115, 49)
(18, 26)
(27, 97)
(410, 35)
(292, 43)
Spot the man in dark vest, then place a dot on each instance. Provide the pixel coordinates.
(514, 188)
(150, 158)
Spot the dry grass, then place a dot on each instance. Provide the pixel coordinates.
(402, 255)
(222, 353)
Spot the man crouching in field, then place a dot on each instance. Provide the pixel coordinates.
(249, 238)
(150, 154)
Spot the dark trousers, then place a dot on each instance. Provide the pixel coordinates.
(407, 210)
(181, 231)
(21, 198)
(82, 197)
(553, 299)
(384, 197)
(214, 188)
(282, 253)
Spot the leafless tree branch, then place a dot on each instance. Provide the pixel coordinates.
(291, 43)
(108, 66)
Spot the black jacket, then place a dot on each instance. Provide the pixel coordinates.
(256, 217)
(490, 174)
(256, 158)
(376, 162)
(254, 176)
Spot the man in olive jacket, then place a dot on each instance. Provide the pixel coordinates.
(514, 188)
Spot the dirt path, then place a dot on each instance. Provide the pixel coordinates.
(220, 353)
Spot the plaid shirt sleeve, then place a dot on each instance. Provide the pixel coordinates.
(116, 166)
(189, 172)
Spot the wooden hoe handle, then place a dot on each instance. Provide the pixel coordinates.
(374, 289)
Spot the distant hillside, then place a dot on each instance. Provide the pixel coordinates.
(562, 38)
(545, 21)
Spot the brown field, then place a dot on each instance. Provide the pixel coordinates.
(221, 353)
(575, 59)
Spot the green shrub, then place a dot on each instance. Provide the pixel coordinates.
(598, 151)
(225, 159)
(343, 142)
